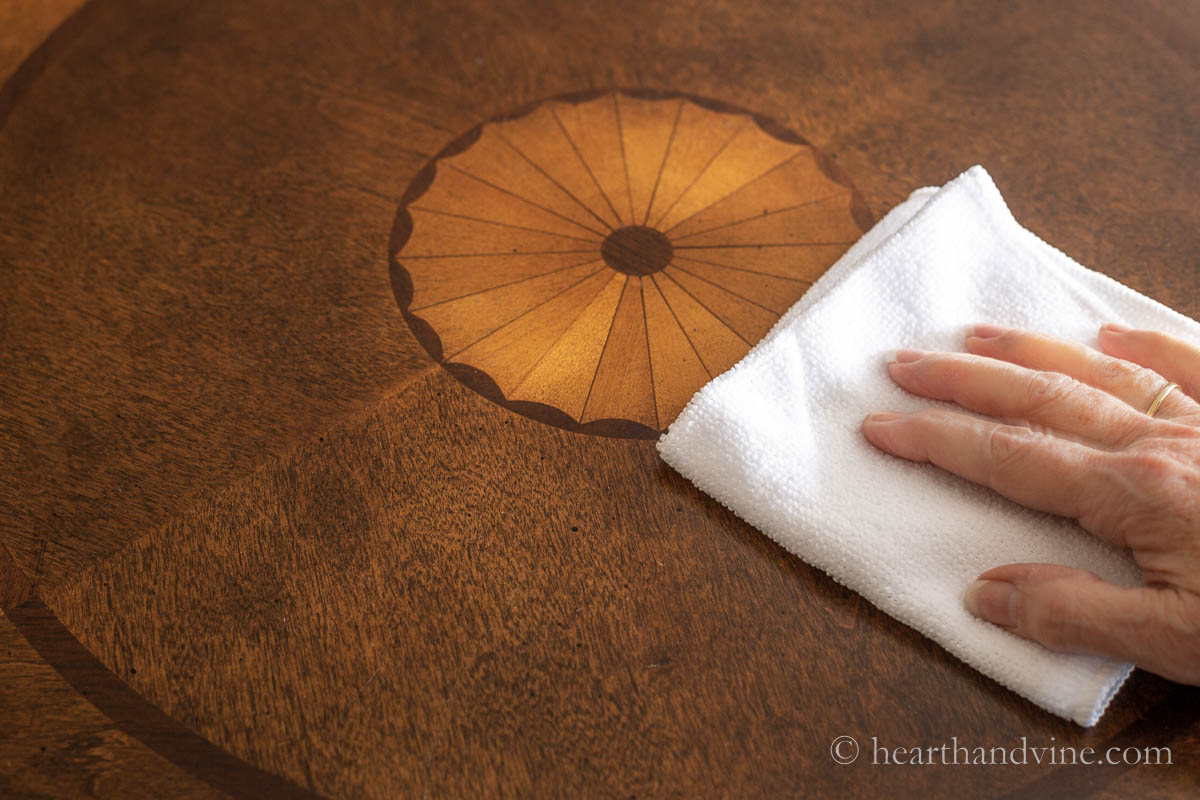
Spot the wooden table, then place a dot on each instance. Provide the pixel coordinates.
(297, 498)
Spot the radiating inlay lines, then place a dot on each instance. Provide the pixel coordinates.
(525, 253)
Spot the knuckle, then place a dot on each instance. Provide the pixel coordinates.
(1185, 428)
(1007, 446)
(1104, 498)
(1045, 388)
(1173, 617)
(1054, 619)
(1057, 633)
(1154, 467)
(1116, 371)
(1185, 635)
(1126, 431)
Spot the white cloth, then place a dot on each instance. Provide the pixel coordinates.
(777, 438)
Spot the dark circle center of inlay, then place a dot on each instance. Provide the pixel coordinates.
(636, 250)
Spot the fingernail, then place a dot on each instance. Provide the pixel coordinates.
(994, 601)
(989, 331)
(883, 416)
(1114, 327)
(905, 356)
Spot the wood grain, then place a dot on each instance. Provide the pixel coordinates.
(648, 130)
(516, 348)
(466, 321)
(589, 170)
(715, 341)
(562, 376)
(748, 319)
(774, 292)
(671, 353)
(308, 553)
(56, 744)
(623, 385)
(23, 26)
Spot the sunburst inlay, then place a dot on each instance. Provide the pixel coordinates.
(594, 261)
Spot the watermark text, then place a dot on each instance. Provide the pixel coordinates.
(847, 750)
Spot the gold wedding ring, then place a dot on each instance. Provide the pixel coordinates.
(1158, 401)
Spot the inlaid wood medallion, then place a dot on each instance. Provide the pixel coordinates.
(593, 260)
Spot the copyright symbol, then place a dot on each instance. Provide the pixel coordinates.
(844, 749)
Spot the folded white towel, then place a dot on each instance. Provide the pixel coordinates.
(776, 438)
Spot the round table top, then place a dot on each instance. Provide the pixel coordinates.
(335, 337)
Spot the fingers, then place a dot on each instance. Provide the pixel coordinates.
(1136, 385)
(1174, 359)
(1072, 610)
(1034, 469)
(1000, 389)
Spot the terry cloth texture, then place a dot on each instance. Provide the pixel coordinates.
(777, 438)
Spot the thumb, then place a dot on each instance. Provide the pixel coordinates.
(1075, 611)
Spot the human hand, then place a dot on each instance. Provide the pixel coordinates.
(1074, 438)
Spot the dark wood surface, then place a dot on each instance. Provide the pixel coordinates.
(259, 542)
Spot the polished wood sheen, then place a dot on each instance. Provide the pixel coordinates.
(694, 203)
(334, 337)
